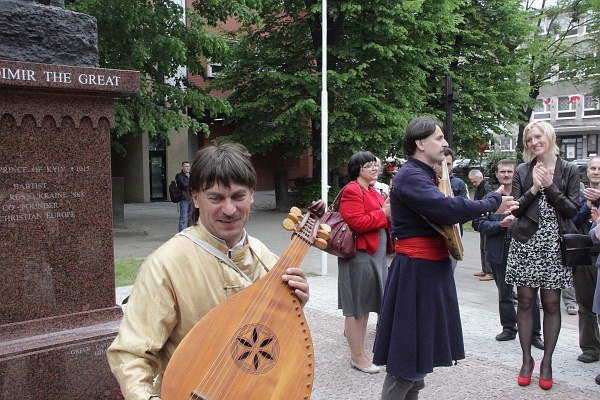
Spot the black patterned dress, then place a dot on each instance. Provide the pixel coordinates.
(537, 263)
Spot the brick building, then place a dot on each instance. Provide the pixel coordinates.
(150, 165)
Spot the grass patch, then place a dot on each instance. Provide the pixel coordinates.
(468, 227)
(126, 270)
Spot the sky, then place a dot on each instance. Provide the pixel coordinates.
(538, 3)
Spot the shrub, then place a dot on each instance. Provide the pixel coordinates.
(309, 190)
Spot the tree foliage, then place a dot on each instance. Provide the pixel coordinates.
(551, 53)
(150, 36)
(387, 63)
(592, 68)
(486, 62)
(378, 57)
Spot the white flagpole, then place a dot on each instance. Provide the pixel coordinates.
(324, 122)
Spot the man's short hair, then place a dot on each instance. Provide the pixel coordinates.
(223, 163)
(185, 162)
(592, 158)
(506, 161)
(475, 173)
(418, 129)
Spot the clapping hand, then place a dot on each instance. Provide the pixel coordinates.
(596, 218)
(507, 221)
(542, 177)
(591, 195)
(386, 208)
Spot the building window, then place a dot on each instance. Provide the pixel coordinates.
(592, 145)
(506, 144)
(567, 106)
(591, 106)
(587, 23)
(570, 147)
(567, 26)
(542, 109)
(554, 74)
(213, 69)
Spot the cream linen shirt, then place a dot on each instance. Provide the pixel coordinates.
(176, 286)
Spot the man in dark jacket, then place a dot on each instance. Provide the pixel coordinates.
(186, 205)
(495, 229)
(586, 276)
(482, 187)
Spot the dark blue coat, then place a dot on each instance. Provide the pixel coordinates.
(414, 194)
(419, 326)
(497, 238)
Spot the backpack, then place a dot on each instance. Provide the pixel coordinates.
(175, 193)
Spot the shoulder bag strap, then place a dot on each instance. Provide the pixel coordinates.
(215, 252)
(335, 205)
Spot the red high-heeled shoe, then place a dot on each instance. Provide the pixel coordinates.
(545, 384)
(526, 381)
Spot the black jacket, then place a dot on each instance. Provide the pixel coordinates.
(483, 189)
(183, 183)
(562, 195)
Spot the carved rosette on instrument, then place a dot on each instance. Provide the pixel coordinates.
(255, 349)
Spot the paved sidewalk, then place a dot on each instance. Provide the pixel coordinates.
(489, 370)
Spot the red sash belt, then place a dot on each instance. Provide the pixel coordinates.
(427, 248)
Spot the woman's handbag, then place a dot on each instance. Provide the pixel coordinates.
(575, 249)
(342, 240)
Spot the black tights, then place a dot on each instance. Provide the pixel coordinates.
(551, 327)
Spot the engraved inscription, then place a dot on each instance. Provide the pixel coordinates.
(33, 193)
(255, 349)
(63, 77)
(97, 349)
(100, 349)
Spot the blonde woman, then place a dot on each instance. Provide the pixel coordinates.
(547, 189)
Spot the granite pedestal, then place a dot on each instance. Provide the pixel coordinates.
(57, 293)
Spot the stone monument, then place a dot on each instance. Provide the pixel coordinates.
(57, 292)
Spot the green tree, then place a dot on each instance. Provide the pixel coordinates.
(150, 36)
(379, 54)
(592, 68)
(486, 62)
(551, 53)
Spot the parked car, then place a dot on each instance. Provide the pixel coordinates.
(464, 165)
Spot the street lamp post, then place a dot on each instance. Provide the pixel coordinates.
(449, 100)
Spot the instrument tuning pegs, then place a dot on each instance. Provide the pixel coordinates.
(293, 217)
(321, 243)
(289, 224)
(296, 211)
(323, 234)
(325, 227)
